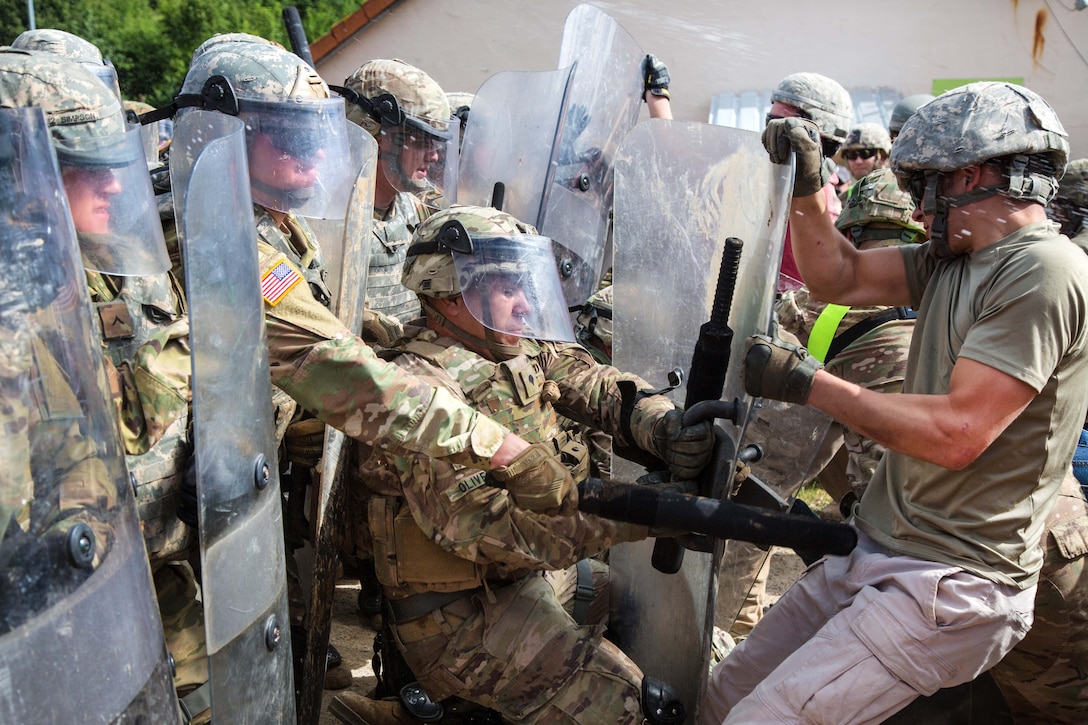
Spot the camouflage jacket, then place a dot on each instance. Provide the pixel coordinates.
(337, 376)
(391, 236)
(453, 505)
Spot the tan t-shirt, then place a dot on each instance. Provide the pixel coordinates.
(1019, 306)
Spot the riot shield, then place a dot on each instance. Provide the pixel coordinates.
(80, 636)
(605, 98)
(681, 190)
(516, 118)
(348, 267)
(241, 532)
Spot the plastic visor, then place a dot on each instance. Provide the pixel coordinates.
(299, 161)
(113, 205)
(511, 286)
(420, 157)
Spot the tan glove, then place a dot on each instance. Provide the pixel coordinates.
(538, 481)
(778, 370)
(381, 329)
(686, 449)
(801, 136)
(304, 442)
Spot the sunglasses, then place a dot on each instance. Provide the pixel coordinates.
(916, 187)
(855, 154)
(301, 144)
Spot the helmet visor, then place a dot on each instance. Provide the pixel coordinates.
(420, 156)
(113, 205)
(298, 155)
(510, 285)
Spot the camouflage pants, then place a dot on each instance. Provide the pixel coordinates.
(182, 623)
(517, 651)
(564, 583)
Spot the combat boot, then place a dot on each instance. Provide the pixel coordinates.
(356, 709)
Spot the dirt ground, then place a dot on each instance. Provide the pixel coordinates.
(354, 637)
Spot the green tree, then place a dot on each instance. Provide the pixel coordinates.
(150, 42)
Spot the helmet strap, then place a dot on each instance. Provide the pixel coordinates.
(489, 343)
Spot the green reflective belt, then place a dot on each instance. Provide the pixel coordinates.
(823, 332)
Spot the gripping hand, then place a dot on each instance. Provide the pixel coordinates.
(687, 449)
(783, 135)
(538, 481)
(656, 75)
(778, 370)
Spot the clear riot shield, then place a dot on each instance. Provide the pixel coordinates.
(241, 532)
(348, 265)
(80, 636)
(516, 118)
(605, 99)
(681, 190)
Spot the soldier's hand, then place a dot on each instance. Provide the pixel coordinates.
(304, 442)
(656, 77)
(801, 136)
(778, 370)
(381, 329)
(538, 481)
(687, 449)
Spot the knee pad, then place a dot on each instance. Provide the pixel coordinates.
(660, 703)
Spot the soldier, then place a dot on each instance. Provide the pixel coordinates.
(942, 582)
(459, 560)
(904, 110)
(415, 149)
(866, 149)
(296, 141)
(1070, 206)
(823, 101)
(139, 310)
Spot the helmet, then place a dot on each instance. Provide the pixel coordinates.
(973, 124)
(297, 136)
(821, 99)
(72, 47)
(904, 110)
(1070, 207)
(394, 99)
(460, 106)
(868, 136)
(470, 251)
(877, 210)
(99, 156)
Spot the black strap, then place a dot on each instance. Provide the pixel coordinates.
(851, 334)
(583, 592)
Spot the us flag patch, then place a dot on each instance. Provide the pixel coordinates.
(279, 280)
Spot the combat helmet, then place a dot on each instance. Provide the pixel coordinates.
(72, 47)
(877, 213)
(904, 110)
(974, 124)
(1070, 207)
(394, 100)
(101, 159)
(460, 108)
(483, 255)
(868, 136)
(296, 134)
(820, 99)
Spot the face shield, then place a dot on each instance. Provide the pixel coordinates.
(299, 161)
(106, 73)
(113, 205)
(511, 286)
(419, 156)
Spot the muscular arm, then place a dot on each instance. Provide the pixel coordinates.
(949, 430)
(834, 270)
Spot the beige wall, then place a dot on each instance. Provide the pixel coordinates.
(713, 46)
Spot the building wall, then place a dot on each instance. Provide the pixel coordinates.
(715, 46)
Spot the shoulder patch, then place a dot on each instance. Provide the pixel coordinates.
(278, 280)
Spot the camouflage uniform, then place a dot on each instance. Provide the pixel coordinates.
(459, 559)
(142, 325)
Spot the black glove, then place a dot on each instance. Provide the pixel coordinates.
(36, 573)
(687, 449)
(188, 501)
(778, 370)
(656, 77)
(801, 136)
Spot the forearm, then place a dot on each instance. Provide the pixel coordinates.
(931, 428)
(823, 255)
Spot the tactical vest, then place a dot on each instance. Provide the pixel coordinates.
(390, 241)
(126, 320)
(513, 393)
